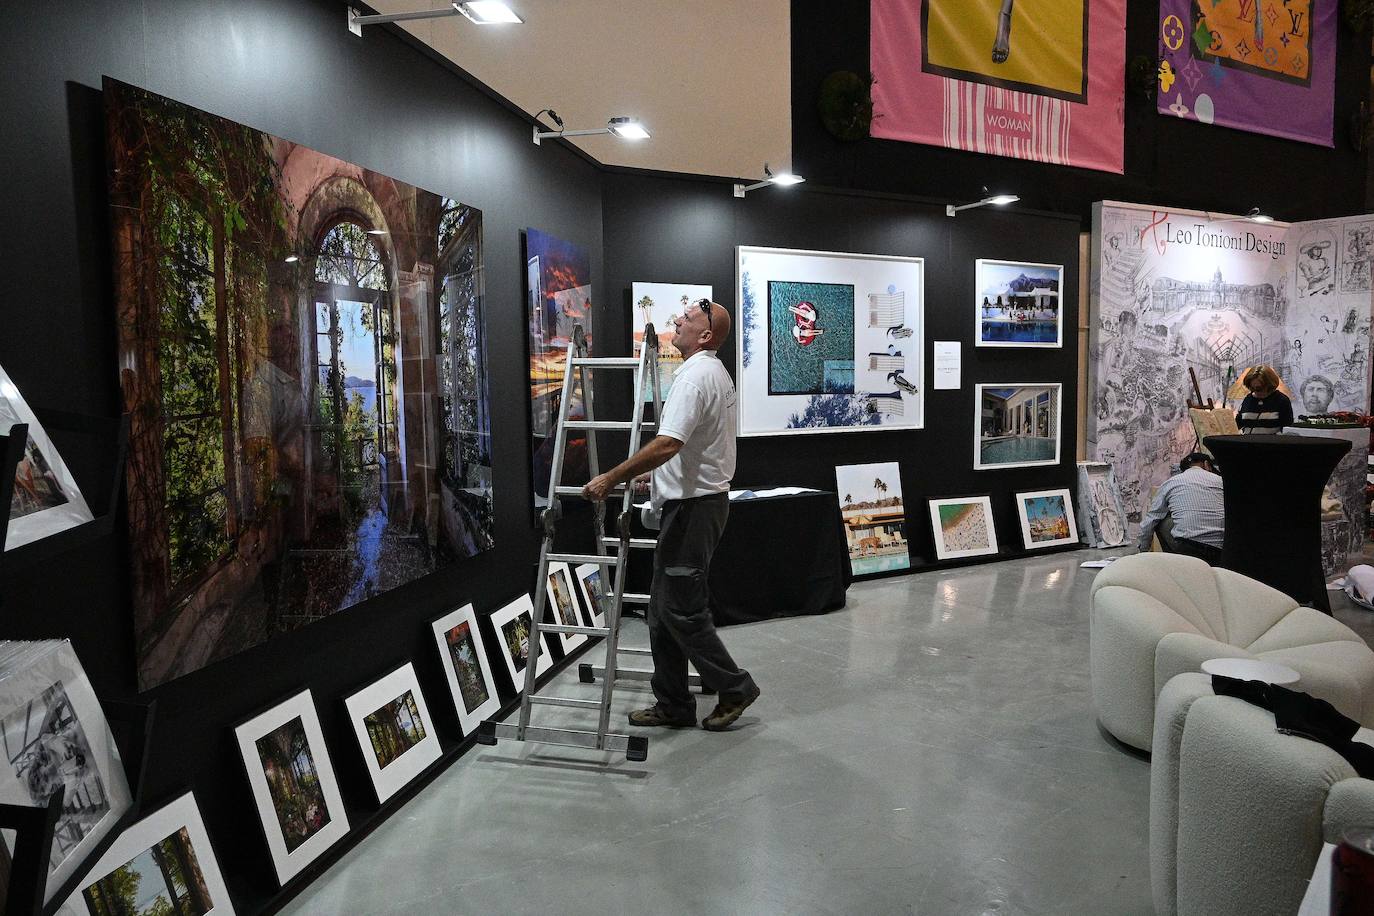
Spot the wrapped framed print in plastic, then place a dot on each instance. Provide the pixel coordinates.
(55, 735)
(164, 864)
(46, 499)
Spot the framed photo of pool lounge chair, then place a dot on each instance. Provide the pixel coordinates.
(962, 527)
(1047, 518)
(1016, 424)
(1018, 304)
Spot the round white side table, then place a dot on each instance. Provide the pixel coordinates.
(1249, 669)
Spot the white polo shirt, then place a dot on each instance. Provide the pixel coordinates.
(701, 414)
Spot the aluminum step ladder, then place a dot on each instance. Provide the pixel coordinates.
(580, 367)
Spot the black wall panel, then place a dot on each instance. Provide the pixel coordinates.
(292, 69)
(685, 230)
(1167, 161)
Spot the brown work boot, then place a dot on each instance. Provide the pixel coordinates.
(728, 710)
(657, 716)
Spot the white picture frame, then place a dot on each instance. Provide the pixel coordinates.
(292, 725)
(867, 375)
(178, 823)
(956, 535)
(659, 304)
(463, 656)
(394, 729)
(1009, 430)
(874, 517)
(596, 596)
(1008, 317)
(561, 605)
(1047, 518)
(54, 734)
(504, 621)
(46, 494)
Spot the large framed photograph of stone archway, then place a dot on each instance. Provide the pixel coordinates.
(303, 359)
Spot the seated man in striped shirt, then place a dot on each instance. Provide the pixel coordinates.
(1193, 498)
(1265, 409)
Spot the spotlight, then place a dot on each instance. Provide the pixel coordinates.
(627, 129)
(1255, 216)
(781, 179)
(488, 12)
(994, 200)
(624, 128)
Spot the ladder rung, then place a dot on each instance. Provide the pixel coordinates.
(572, 630)
(607, 424)
(634, 747)
(636, 650)
(634, 598)
(638, 543)
(566, 701)
(607, 362)
(599, 559)
(577, 491)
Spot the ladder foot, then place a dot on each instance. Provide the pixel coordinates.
(638, 749)
(585, 674)
(486, 734)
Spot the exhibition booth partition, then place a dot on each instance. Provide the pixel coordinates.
(339, 388)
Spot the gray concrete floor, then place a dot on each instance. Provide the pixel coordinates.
(929, 749)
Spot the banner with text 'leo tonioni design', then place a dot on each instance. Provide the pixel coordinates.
(1029, 79)
(1266, 66)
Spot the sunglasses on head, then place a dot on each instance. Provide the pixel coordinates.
(705, 306)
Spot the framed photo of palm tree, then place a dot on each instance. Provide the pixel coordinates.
(874, 517)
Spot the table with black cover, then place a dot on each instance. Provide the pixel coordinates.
(779, 556)
(1272, 487)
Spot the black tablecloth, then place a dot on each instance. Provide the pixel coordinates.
(780, 556)
(1272, 486)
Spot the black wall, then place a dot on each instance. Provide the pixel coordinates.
(685, 230)
(1168, 161)
(292, 69)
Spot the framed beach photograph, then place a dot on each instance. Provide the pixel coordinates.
(466, 667)
(512, 625)
(962, 527)
(162, 866)
(660, 304)
(596, 592)
(55, 736)
(874, 517)
(1016, 425)
(561, 606)
(293, 783)
(394, 730)
(1019, 304)
(829, 341)
(1046, 518)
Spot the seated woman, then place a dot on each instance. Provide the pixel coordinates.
(1265, 409)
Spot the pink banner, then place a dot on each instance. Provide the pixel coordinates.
(1030, 79)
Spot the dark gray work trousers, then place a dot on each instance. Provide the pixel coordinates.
(679, 616)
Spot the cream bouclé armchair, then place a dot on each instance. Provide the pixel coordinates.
(1156, 615)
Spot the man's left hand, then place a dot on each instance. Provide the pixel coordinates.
(599, 487)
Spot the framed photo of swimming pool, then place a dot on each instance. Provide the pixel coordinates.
(1046, 518)
(962, 527)
(394, 730)
(1019, 304)
(829, 341)
(874, 517)
(162, 864)
(466, 667)
(1016, 425)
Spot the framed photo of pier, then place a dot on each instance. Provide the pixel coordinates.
(1016, 425)
(1018, 304)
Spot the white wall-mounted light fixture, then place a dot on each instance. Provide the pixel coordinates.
(624, 128)
(782, 179)
(993, 200)
(1255, 216)
(479, 12)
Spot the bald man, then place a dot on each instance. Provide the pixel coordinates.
(692, 459)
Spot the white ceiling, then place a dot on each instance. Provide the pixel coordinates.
(711, 79)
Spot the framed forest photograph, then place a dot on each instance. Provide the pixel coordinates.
(394, 730)
(464, 660)
(512, 625)
(293, 784)
(164, 865)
